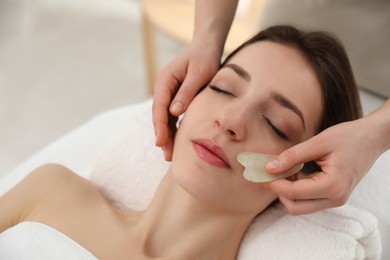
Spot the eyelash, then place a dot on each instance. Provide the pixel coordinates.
(273, 127)
(217, 89)
(276, 130)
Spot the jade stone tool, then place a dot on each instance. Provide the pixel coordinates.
(254, 167)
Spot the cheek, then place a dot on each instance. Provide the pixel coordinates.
(196, 112)
(191, 118)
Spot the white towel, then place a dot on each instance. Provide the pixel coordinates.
(130, 168)
(33, 240)
(343, 233)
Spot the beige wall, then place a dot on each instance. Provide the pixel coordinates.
(362, 25)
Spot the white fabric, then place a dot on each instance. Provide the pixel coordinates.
(79, 150)
(372, 194)
(33, 240)
(342, 233)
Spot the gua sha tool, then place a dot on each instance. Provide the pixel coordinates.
(254, 167)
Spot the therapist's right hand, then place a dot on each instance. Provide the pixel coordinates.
(175, 87)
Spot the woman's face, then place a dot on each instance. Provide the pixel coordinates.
(265, 99)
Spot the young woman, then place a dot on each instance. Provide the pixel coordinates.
(278, 89)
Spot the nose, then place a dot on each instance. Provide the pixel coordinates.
(233, 122)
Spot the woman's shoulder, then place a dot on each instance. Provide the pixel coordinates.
(58, 182)
(55, 174)
(49, 178)
(48, 187)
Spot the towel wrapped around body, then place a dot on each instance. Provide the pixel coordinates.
(33, 240)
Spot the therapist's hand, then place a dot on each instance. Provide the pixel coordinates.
(177, 84)
(345, 152)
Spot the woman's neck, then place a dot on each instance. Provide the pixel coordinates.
(177, 224)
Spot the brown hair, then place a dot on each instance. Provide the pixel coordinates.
(329, 59)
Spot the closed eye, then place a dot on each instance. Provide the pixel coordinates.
(276, 130)
(219, 90)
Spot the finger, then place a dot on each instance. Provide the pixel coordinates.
(163, 93)
(187, 91)
(315, 187)
(168, 148)
(160, 123)
(307, 151)
(301, 207)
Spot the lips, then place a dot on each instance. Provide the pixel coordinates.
(211, 153)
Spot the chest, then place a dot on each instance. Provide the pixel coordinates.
(95, 226)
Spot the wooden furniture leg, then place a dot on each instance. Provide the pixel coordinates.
(149, 49)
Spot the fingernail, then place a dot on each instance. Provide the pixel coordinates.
(176, 107)
(274, 164)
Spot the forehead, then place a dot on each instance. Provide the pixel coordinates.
(266, 56)
(285, 69)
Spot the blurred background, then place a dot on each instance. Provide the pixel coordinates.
(64, 61)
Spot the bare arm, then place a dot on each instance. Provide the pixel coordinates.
(182, 78)
(213, 20)
(345, 153)
(380, 120)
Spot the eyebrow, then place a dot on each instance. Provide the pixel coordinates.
(239, 71)
(285, 102)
